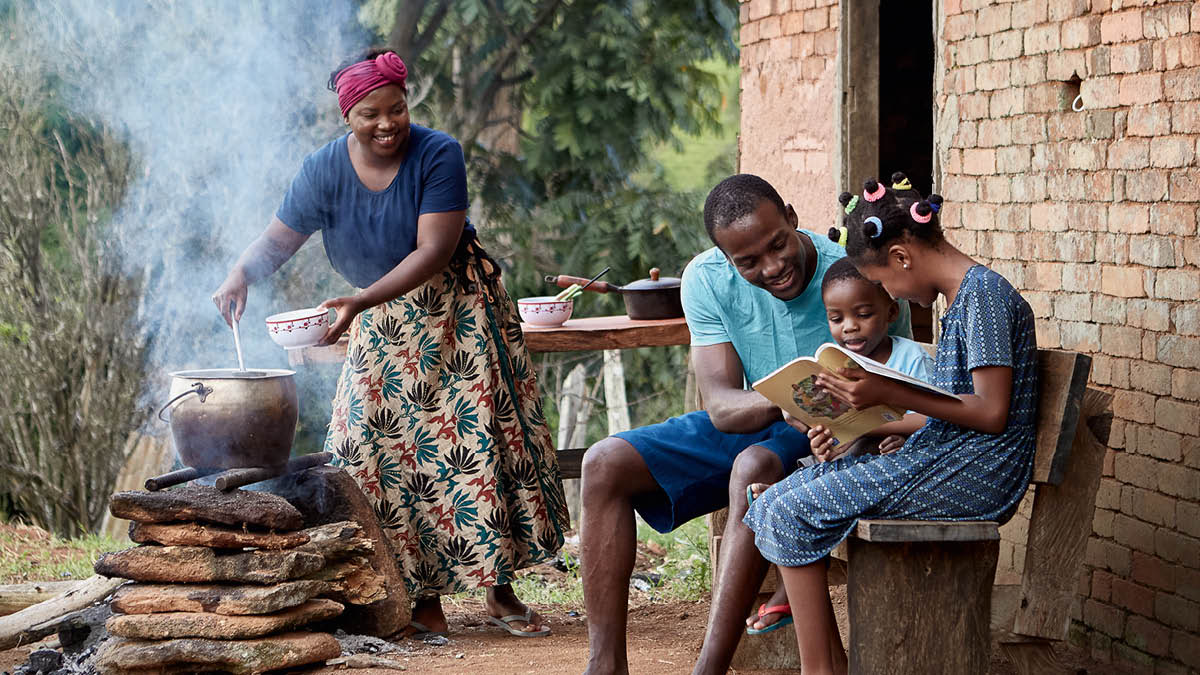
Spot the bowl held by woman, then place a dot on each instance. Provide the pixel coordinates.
(545, 311)
(298, 328)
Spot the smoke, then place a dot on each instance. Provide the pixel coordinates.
(219, 101)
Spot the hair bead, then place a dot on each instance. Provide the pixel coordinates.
(917, 216)
(838, 235)
(877, 230)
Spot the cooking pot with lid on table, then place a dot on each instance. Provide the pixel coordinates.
(653, 298)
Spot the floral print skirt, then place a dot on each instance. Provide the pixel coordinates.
(439, 419)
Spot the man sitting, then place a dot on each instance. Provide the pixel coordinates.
(753, 303)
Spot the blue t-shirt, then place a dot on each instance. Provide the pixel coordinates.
(910, 358)
(367, 233)
(766, 332)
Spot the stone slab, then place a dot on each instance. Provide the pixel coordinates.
(171, 625)
(338, 541)
(212, 536)
(217, 599)
(353, 581)
(328, 494)
(288, 650)
(207, 504)
(196, 564)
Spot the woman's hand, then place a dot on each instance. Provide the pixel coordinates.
(821, 442)
(891, 444)
(230, 298)
(347, 308)
(858, 387)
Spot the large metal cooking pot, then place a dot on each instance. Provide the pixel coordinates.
(226, 418)
(652, 298)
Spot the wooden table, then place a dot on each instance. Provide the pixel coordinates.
(591, 334)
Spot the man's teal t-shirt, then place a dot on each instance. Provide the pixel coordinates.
(766, 332)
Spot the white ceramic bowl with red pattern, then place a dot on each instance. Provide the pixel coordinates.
(544, 310)
(298, 328)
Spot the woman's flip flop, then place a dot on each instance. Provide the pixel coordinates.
(505, 622)
(763, 610)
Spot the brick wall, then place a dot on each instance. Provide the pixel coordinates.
(1092, 215)
(789, 67)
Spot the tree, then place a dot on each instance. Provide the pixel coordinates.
(70, 359)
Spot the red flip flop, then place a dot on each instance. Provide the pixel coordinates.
(763, 610)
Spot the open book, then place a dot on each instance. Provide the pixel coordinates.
(793, 387)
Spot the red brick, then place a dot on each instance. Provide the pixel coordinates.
(1183, 352)
(1101, 585)
(1150, 120)
(1188, 517)
(1060, 10)
(1028, 188)
(1176, 611)
(1173, 219)
(1135, 534)
(1182, 84)
(1152, 251)
(1078, 336)
(1046, 97)
(1029, 129)
(1185, 117)
(1042, 39)
(1141, 88)
(1107, 309)
(1153, 378)
(1186, 317)
(1045, 276)
(1081, 32)
(1147, 636)
(1028, 70)
(1177, 548)
(1164, 22)
(1007, 102)
(1177, 284)
(1121, 26)
(816, 20)
(760, 8)
(1185, 185)
(996, 190)
(1108, 495)
(1185, 647)
(1133, 57)
(1185, 385)
(1083, 278)
(990, 76)
(1180, 481)
(1102, 526)
(971, 51)
(1129, 153)
(1146, 186)
(1004, 46)
(1060, 66)
(1104, 618)
(1124, 282)
(993, 19)
(1180, 52)
(1114, 248)
(1121, 341)
(1171, 151)
(1129, 219)
(1175, 416)
(1149, 506)
(958, 26)
(1159, 443)
(1187, 582)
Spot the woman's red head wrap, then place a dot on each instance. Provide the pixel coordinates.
(356, 81)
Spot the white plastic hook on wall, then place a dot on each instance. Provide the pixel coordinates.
(1077, 104)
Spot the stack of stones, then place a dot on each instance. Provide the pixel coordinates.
(227, 581)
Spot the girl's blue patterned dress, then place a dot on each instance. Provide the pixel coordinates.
(944, 471)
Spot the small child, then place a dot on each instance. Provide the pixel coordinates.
(973, 458)
(859, 312)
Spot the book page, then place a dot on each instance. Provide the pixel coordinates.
(793, 388)
(833, 357)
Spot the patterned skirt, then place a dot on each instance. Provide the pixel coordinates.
(439, 419)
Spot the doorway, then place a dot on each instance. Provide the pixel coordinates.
(885, 79)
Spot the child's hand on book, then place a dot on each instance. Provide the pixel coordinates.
(822, 444)
(794, 422)
(857, 387)
(891, 444)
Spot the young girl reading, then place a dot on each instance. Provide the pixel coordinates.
(973, 458)
(858, 312)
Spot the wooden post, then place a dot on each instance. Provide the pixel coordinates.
(573, 411)
(614, 392)
(903, 598)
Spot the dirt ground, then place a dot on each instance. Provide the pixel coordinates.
(664, 638)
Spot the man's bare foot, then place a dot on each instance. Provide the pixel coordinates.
(502, 601)
(428, 613)
(759, 623)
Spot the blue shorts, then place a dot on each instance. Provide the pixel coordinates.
(691, 461)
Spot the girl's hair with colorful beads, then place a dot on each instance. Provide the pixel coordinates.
(881, 215)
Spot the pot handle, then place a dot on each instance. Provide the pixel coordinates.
(565, 281)
(198, 389)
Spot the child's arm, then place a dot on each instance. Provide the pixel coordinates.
(906, 426)
(986, 410)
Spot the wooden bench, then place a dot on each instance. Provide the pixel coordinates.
(923, 596)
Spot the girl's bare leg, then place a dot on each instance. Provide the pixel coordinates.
(821, 651)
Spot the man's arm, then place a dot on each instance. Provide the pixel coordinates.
(719, 377)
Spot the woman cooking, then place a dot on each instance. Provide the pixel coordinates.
(437, 414)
